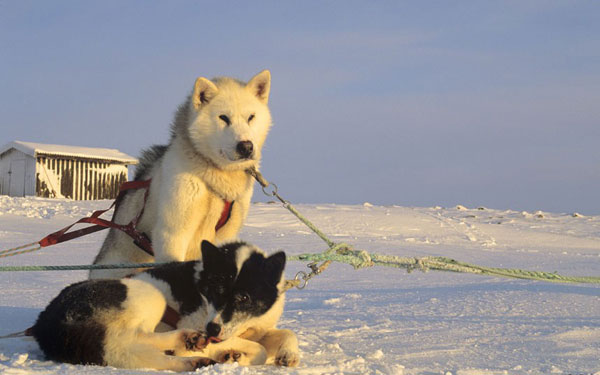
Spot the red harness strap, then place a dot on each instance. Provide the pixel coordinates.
(139, 238)
(171, 317)
(100, 224)
(225, 215)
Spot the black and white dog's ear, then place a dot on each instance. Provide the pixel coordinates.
(209, 251)
(274, 266)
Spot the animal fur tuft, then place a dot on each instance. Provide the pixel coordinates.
(148, 160)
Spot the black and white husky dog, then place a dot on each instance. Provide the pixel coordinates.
(112, 322)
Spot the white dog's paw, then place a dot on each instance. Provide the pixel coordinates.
(286, 357)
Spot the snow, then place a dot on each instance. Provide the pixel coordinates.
(376, 320)
(33, 149)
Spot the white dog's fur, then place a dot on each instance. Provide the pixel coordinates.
(204, 164)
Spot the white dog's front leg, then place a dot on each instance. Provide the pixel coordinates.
(282, 347)
(170, 245)
(177, 220)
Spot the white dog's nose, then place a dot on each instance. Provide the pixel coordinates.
(245, 149)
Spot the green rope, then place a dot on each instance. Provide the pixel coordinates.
(362, 259)
(273, 193)
(358, 259)
(344, 253)
(79, 267)
(310, 225)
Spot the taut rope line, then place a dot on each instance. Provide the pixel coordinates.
(336, 252)
(344, 253)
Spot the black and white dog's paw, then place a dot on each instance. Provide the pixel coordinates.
(195, 340)
(230, 356)
(198, 362)
(287, 358)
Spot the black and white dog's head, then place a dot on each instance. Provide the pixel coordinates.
(235, 287)
(253, 299)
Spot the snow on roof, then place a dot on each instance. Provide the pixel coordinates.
(35, 149)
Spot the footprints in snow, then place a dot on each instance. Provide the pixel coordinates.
(471, 232)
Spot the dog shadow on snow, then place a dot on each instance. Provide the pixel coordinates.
(17, 319)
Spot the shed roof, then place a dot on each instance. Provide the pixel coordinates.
(35, 149)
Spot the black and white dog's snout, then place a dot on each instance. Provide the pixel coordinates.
(213, 329)
(245, 149)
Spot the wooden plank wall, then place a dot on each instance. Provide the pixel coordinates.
(80, 179)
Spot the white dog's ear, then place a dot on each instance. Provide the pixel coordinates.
(204, 91)
(260, 85)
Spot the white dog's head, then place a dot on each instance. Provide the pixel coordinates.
(230, 120)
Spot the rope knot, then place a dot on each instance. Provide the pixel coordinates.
(365, 259)
(419, 264)
(360, 258)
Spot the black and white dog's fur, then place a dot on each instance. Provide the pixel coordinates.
(234, 293)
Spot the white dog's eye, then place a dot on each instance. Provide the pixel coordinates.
(251, 118)
(225, 119)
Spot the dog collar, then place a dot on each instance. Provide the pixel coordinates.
(171, 317)
(225, 215)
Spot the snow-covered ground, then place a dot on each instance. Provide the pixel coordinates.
(370, 321)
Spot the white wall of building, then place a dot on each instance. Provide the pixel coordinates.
(17, 174)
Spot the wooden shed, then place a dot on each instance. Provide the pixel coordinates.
(57, 171)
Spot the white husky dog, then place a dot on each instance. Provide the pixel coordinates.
(200, 188)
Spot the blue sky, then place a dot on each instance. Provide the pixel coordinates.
(480, 103)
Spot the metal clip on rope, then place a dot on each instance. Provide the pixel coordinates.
(301, 276)
(305, 277)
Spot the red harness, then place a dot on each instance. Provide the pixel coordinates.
(100, 224)
(225, 215)
(139, 238)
